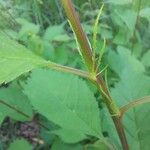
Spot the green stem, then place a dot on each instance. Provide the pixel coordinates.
(81, 37)
(87, 56)
(66, 69)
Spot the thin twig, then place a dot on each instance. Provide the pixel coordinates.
(71, 70)
(133, 104)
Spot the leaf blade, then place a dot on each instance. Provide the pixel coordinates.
(62, 98)
(15, 59)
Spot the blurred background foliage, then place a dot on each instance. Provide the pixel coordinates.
(42, 26)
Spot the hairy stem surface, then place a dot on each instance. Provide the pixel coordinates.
(87, 56)
(71, 70)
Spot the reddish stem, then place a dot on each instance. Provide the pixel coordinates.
(87, 55)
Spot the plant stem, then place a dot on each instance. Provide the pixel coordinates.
(81, 37)
(87, 56)
(133, 104)
(113, 110)
(66, 69)
(121, 132)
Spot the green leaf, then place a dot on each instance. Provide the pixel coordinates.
(136, 123)
(27, 28)
(54, 32)
(35, 44)
(1, 117)
(145, 13)
(143, 4)
(15, 59)
(13, 101)
(146, 59)
(128, 16)
(122, 61)
(20, 145)
(58, 144)
(74, 137)
(99, 145)
(119, 2)
(62, 38)
(65, 100)
(133, 84)
(121, 38)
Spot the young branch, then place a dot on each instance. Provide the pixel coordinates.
(87, 56)
(66, 69)
(133, 104)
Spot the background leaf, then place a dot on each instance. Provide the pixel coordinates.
(20, 144)
(145, 13)
(146, 59)
(128, 16)
(133, 84)
(58, 143)
(14, 97)
(120, 2)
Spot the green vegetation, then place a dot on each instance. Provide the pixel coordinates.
(70, 84)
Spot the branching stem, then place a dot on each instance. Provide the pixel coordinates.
(133, 104)
(87, 56)
(71, 70)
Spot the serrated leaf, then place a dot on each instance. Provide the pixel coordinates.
(133, 84)
(13, 101)
(20, 145)
(127, 62)
(65, 100)
(15, 59)
(136, 123)
(131, 73)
